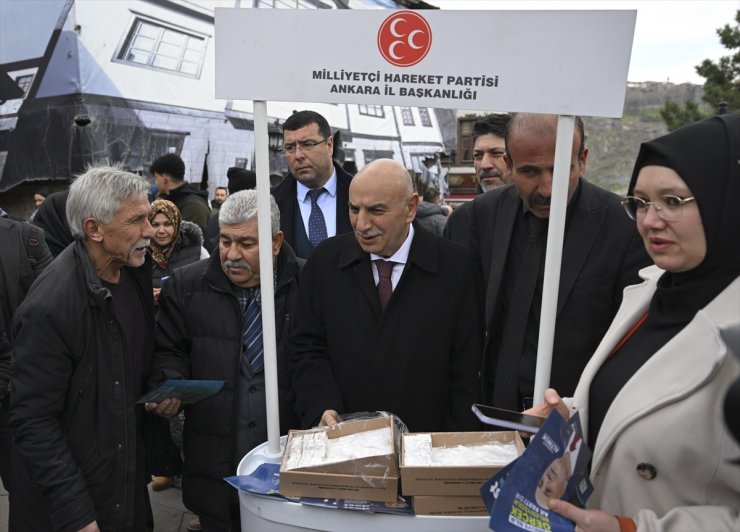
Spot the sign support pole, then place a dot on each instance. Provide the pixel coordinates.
(267, 290)
(554, 254)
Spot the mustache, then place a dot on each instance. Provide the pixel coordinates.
(538, 199)
(236, 264)
(143, 243)
(491, 173)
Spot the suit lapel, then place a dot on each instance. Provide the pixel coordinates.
(505, 212)
(354, 258)
(342, 210)
(580, 237)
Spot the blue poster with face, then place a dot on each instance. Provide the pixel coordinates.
(554, 466)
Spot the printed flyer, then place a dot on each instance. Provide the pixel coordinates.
(554, 466)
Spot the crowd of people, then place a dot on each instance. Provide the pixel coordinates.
(383, 302)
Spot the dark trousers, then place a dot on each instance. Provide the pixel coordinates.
(6, 442)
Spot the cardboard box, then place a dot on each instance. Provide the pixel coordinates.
(444, 505)
(454, 480)
(373, 478)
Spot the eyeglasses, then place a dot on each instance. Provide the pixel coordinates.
(668, 207)
(305, 145)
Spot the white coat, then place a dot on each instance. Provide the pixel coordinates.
(668, 420)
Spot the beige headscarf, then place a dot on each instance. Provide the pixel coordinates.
(162, 253)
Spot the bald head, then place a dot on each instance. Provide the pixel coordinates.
(388, 172)
(382, 205)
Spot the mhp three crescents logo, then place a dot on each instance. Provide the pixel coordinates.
(404, 38)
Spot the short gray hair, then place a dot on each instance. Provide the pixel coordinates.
(240, 207)
(99, 192)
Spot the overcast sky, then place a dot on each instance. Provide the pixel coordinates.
(671, 36)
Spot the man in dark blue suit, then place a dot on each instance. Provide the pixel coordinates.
(389, 318)
(602, 254)
(313, 199)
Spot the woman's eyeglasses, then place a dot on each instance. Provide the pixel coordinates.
(668, 207)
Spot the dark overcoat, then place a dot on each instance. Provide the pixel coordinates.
(418, 359)
(602, 254)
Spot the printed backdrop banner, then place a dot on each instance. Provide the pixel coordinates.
(558, 62)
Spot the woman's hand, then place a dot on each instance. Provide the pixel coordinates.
(156, 295)
(552, 402)
(585, 520)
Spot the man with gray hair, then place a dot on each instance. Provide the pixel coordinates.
(210, 327)
(83, 344)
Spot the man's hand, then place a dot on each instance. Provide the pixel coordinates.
(585, 520)
(330, 418)
(167, 408)
(92, 527)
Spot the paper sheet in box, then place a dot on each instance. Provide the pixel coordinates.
(421, 476)
(335, 463)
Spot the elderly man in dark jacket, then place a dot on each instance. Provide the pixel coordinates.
(82, 345)
(210, 327)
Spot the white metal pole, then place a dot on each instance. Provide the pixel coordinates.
(554, 254)
(261, 155)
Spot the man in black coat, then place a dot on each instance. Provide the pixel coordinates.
(602, 254)
(418, 356)
(23, 256)
(169, 175)
(83, 342)
(490, 169)
(203, 308)
(308, 146)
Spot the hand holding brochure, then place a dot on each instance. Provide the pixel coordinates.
(554, 466)
(188, 391)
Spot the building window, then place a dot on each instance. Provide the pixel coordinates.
(407, 116)
(292, 4)
(372, 110)
(24, 82)
(241, 162)
(371, 155)
(465, 139)
(426, 120)
(153, 45)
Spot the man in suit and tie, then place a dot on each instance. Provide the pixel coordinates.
(602, 254)
(367, 337)
(313, 199)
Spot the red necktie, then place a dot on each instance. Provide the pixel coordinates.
(385, 288)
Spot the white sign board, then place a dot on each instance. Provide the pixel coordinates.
(557, 62)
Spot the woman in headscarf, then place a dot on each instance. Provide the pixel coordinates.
(176, 242)
(651, 397)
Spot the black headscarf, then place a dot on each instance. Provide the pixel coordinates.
(52, 218)
(706, 155)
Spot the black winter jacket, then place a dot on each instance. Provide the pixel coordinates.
(76, 427)
(198, 336)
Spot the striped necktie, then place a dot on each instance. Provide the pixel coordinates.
(252, 332)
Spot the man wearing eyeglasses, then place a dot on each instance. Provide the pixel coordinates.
(313, 199)
(490, 169)
(602, 253)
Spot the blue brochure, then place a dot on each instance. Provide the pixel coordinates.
(265, 480)
(187, 391)
(554, 466)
